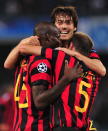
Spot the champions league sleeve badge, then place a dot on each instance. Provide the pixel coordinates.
(42, 67)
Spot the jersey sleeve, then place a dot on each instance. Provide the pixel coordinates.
(93, 54)
(40, 72)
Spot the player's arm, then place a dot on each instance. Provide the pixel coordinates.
(43, 97)
(25, 46)
(30, 49)
(93, 64)
(12, 58)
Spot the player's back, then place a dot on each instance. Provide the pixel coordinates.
(27, 116)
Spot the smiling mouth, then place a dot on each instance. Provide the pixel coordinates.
(63, 32)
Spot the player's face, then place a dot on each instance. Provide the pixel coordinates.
(66, 26)
(52, 38)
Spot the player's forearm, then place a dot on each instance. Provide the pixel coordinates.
(49, 96)
(93, 64)
(30, 49)
(11, 59)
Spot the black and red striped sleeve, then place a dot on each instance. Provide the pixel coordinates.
(40, 72)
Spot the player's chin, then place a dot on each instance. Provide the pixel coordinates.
(65, 37)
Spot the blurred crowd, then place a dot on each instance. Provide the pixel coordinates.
(30, 7)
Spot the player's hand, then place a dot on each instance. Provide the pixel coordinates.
(32, 40)
(72, 73)
(26, 45)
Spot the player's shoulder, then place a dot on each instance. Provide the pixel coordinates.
(34, 58)
(40, 60)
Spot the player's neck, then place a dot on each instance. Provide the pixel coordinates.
(65, 43)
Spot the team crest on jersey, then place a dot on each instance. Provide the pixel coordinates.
(42, 67)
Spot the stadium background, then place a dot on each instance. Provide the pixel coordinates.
(18, 17)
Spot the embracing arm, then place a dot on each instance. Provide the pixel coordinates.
(12, 58)
(93, 64)
(30, 45)
(30, 49)
(26, 46)
(43, 97)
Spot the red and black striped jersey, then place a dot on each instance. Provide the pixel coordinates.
(32, 71)
(73, 107)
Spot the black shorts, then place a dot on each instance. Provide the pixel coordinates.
(65, 129)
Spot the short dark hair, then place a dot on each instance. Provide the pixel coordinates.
(82, 43)
(48, 34)
(68, 10)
